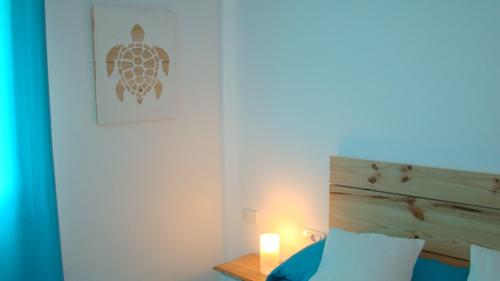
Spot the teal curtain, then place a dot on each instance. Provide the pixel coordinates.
(29, 232)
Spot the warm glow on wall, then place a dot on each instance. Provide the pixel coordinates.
(269, 252)
(286, 211)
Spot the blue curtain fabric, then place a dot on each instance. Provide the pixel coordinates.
(29, 232)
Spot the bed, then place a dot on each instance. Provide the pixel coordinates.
(448, 209)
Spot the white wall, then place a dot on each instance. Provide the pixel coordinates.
(405, 81)
(400, 81)
(138, 201)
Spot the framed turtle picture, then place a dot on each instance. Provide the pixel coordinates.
(134, 56)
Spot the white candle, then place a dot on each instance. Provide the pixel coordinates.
(269, 252)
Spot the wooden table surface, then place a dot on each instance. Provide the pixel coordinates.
(245, 268)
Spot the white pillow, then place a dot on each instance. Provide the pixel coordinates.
(484, 264)
(367, 257)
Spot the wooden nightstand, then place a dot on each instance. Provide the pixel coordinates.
(245, 268)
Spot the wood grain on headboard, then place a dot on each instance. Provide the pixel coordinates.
(449, 209)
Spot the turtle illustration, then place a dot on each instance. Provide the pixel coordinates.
(138, 65)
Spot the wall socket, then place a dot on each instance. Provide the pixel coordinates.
(313, 235)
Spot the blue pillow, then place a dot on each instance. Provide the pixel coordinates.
(301, 266)
(433, 270)
(304, 264)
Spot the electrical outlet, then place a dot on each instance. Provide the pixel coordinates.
(313, 235)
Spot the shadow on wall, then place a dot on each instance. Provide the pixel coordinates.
(425, 152)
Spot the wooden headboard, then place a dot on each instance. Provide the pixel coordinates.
(449, 209)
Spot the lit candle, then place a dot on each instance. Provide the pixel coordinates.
(269, 252)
